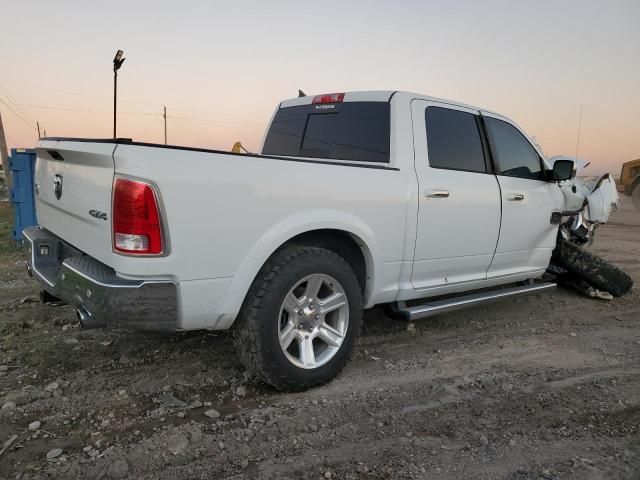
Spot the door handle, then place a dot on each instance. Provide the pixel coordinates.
(437, 193)
(516, 197)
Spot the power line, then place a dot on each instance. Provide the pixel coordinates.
(13, 101)
(66, 92)
(21, 114)
(51, 107)
(26, 122)
(217, 121)
(190, 110)
(7, 136)
(179, 117)
(151, 127)
(16, 111)
(10, 139)
(156, 125)
(151, 124)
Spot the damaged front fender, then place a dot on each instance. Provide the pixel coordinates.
(596, 198)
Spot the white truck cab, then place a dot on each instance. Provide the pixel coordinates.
(356, 199)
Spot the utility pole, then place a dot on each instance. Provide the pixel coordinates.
(4, 154)
(165, 124)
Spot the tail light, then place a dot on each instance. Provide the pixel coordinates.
(329, 98)
(137, 228)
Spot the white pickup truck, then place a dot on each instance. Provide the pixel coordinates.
(356, 199)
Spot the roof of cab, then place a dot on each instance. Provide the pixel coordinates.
(380, 96)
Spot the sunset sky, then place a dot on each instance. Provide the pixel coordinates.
(221, 67)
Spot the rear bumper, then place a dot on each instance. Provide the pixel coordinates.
(99, 295)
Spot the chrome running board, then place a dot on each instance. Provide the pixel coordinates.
(436, 307)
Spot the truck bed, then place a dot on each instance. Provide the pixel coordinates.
(225, 213)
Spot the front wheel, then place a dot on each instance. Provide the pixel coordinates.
(590, 267)
(298, 325)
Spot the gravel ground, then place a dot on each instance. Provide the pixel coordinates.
(539, 387)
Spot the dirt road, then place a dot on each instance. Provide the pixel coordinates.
(540, 387)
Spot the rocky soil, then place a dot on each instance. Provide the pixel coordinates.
(539, 387)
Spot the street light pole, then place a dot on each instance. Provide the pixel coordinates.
(117, 63)
(115, 99)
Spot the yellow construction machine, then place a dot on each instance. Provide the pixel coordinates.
(630, 181)
(238, 148)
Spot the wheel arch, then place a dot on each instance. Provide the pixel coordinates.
(345, 244)
(347, 235)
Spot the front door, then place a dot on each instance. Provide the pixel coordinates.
(459, 198)
(527, 235)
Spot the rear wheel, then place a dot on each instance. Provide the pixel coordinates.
(592, 268)
(300, 320)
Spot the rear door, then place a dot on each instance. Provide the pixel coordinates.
(459, 197)
(73, 182)
(527, 235)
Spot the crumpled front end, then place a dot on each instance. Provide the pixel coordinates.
(588, 202)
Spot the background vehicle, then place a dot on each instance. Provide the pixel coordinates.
(630, 181)
(357, 199)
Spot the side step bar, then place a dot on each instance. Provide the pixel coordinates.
(436, 307)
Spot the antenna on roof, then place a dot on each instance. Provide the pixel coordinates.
(301, 94)
(579, 127)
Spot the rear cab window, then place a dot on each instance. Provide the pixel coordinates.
(355, 131)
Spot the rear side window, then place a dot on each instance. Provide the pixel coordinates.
(453, 140)
(515, 155)
(357, 131)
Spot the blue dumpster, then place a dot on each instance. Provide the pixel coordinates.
(22, 164)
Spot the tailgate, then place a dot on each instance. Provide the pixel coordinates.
(73, 193)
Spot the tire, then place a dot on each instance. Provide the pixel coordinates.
(265, 317)
(592, 268)
(635, 196)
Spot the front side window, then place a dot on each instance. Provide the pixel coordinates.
(453, 140)
(516, 157)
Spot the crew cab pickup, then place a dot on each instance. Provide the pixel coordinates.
(356, 199)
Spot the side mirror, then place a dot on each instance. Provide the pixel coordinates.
(563, 170)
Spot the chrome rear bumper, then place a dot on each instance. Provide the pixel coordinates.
(100, 297)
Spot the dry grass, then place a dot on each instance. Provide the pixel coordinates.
(7, 244)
